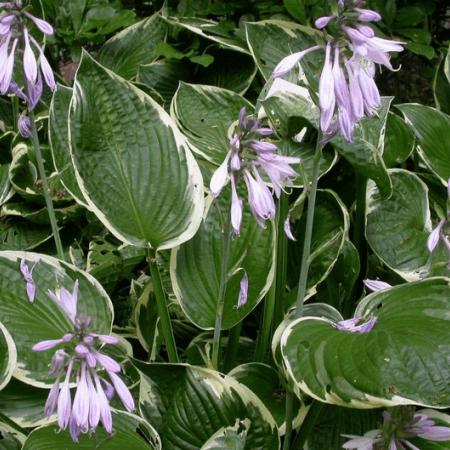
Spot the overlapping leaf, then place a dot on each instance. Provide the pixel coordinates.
(396, 363)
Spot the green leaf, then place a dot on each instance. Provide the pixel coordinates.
(395, 363)
(271, 40)
(130, 432)
(430, 127)
(164, 76)
(227, 438)
(398, 142)
(59, 141)
(133, 46)
(195, 267)
(230, 70)
(8, 356)
(265, 382)
(24, 404)
(6, 191)
(18, 235)
(365, 154)
(203, 60)
(216, 109)
(210, 30)
(421, 49)
(441, 83)
(397, 229)
(133, 168)
(335, 421)
(188, 405)
(30, 323)
(331, 225)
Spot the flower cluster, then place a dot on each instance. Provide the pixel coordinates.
(15, 39)
(347, 89)
(395, 433)
(81, 362)
(251, 157)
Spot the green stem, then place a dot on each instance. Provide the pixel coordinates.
(163, 312)
(222, 288)
(289, 416)
(304, 271)
(15, 112)
(308, 231)
(266, 329)
(231, 353)
(47, 194)
(307, 425)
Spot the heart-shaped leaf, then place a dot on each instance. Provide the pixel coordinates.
(131, 162)
(397, 228)
(272, 40)
(41, 320)
(133, 46)
(430, 127)
(215, 111)
(188, 405)
(130, 432)
(396, 363)
(195, 267)
(8, 356)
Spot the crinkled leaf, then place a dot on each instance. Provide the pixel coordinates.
(133, 167)
(395, 363)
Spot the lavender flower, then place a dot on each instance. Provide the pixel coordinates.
(376, 285)
(354, 326)
(28, 277)
(397, 429)
(347, 90)
(15, 37)
(250, 157)
(243, 292)
(24, 125)
(80, 361)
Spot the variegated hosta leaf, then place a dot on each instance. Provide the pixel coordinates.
(8, 356)
(59, 141)
(195, 267)
(41, 320)
(133, 46)
(131, 162)
(272, 40)
(432, 128)
(331, 225)
(189, 405)
(130, 432)
(404, 359)
(265, 382)
(24, 404)
(399, 141)
(397, 228)
(216, 109)
(228, 438)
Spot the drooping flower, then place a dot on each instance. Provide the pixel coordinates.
(243, 292)
(250, 159)
(80, 361)
(347, 89)
(17, 44)
(27, 274)
(356, 325)
(397, 430)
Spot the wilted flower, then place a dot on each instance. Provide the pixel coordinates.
(24, 125)
(397, 431)
(27, 274)
(347, 90)
(354, 325)
(249, 159)
(16, 41)
(80, 361)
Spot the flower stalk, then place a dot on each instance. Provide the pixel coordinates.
(163, 311)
